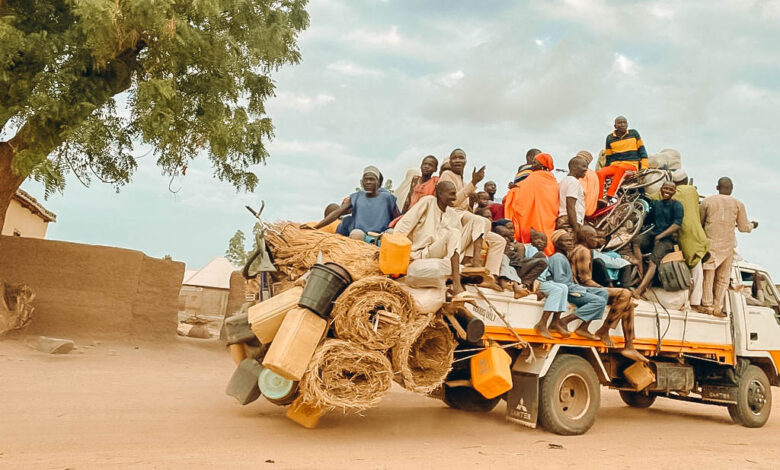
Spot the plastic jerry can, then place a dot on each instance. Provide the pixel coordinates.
(243, 384)
(267, 316)
(306, 415)
(295, 342)
(394, 254)
(491, 374)
(639, 375)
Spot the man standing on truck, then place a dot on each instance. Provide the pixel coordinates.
(590, 301)
(476, 229)
(693, 240)
(720, 214)
(667, 216)
(434, 228)
(571, 196)
(622, 303)
(625, 151)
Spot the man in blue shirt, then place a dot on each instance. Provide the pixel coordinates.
(667, 216)
(372, 208)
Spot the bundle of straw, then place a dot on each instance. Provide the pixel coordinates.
(425, 358)
(342, 375)
(374, 312)
(295, 250)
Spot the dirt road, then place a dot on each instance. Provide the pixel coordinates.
(163, 406)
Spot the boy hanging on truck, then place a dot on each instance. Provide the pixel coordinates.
(590, 301)
(622, 303)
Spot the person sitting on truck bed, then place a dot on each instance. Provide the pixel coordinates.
(434, 228)
(590, 301)
(518, 273)
(552, 293)
(622, 303)
(423, 185)
(667, 216)
(372, 209)
(720, 214)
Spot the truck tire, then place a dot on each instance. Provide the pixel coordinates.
(569, 397)
(637, 399)
(468, 399)
(754, 399)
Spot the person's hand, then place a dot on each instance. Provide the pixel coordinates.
(755, 224)
(477, 175)
(306, 227)
(657, 238)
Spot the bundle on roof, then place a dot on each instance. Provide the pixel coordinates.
(423, 360)
(374, 312)
(342, 375)
(295, 250)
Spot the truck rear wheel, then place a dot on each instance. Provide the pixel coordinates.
(754, 399)
(637, 399)
(468, 399)
(569, 396)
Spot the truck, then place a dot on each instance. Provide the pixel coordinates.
(730, 361)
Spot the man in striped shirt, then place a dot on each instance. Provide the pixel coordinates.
(625, 151)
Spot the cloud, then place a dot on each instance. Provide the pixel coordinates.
(369, 38)
(301, 102)
(354, 70)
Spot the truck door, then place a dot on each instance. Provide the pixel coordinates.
(762, 311)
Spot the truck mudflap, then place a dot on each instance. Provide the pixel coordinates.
(522, 401)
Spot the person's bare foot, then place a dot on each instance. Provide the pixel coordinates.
(490, 283)
(457, 288)
(520, 291)
(541, 330)
(586, 334)
(719, 313)
(634, 355)
(560, 328)
(605, 338)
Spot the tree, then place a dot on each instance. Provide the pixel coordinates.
(236, 253)
(191, 76)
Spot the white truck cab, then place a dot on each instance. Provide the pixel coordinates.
(730, 361)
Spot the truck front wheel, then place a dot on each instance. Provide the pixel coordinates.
(569, 396)
(754, 399)
(468, 399)
(637, 399)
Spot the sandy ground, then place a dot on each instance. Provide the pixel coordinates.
(110, 406)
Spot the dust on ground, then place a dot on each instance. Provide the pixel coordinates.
(163, 406)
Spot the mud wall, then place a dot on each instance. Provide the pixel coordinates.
(88, 291)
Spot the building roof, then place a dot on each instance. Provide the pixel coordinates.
(216, 274)
(34, 206)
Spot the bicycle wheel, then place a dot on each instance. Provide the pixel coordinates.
(643, 179)
(631, 226)
(615, 219)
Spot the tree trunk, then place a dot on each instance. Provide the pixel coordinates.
(9, 180)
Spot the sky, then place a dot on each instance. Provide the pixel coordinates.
(387, 82)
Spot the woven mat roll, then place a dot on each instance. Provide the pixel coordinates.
(342, 375)
(423, 361)
(374, 312)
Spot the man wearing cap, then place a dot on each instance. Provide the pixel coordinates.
(590, 184)
(533, 204)
(625, 151)
(693, 240)
(720, 215)
(372, 209)
(475, 230)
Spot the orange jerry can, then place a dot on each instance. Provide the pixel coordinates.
(394, 253)
(305, 415)
(491, 374)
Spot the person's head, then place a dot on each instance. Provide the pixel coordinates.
(563, 240)
(578, 166)
(331, 207)
(445, 165)
(446, 193)
(457, 161)
(530, 155)
(490, 188)
(483, 199)
(543, 161)
(621, 124)
(668, 190)
(589, 236)
(538, 240)
(371, 180)
(586, 155)
(510, 225)
(725, 186)
(484, 212)
(428, 166)
(507, 234)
